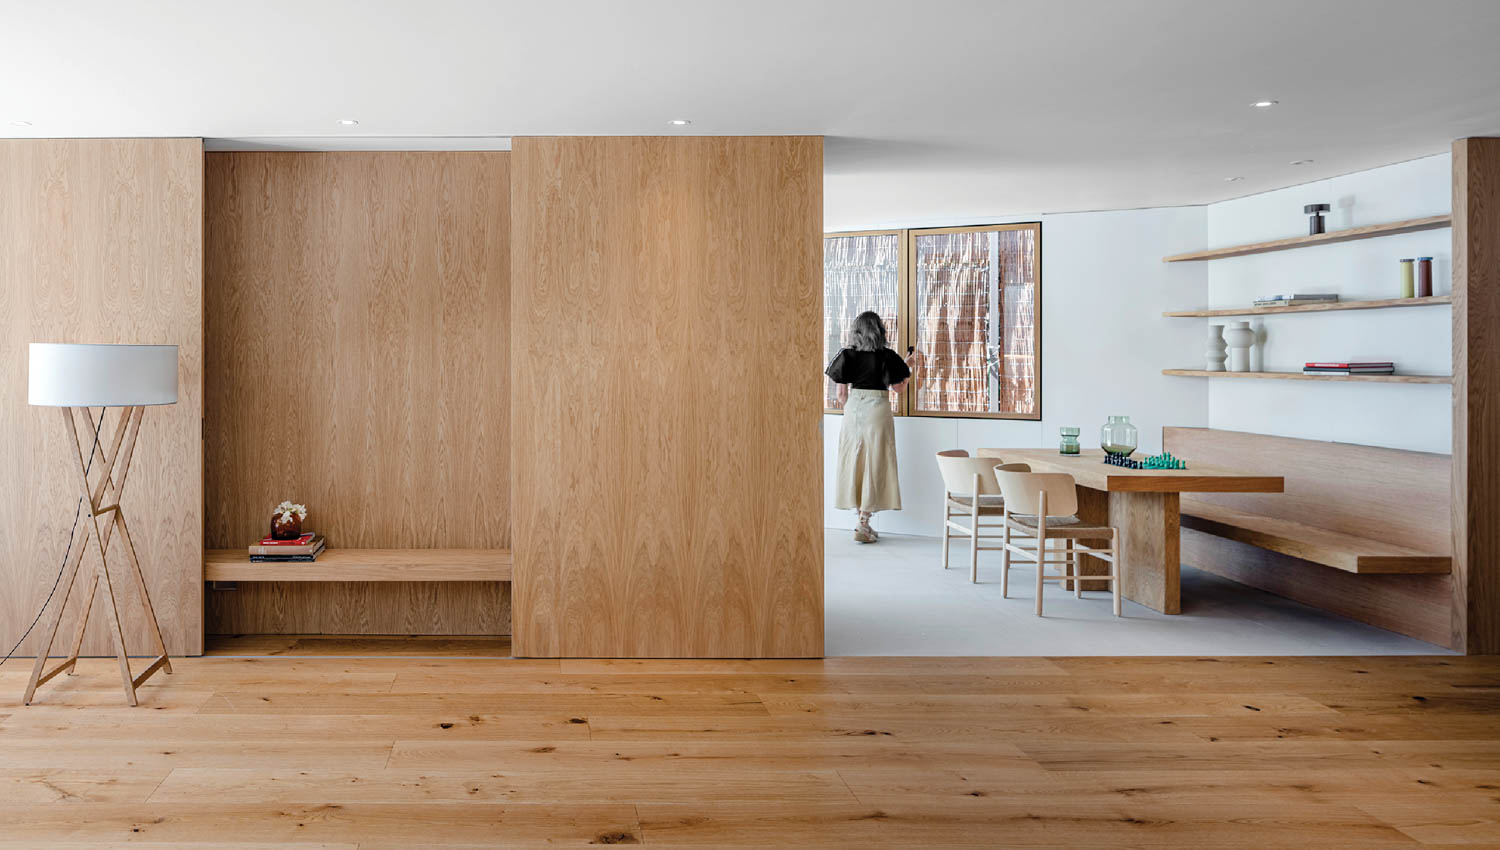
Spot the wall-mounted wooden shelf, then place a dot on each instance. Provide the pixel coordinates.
(1298, 376)
(365, 565)
(1411, 225)
(1317, 308)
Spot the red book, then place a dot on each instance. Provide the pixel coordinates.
(1369, 365)
(305, 539)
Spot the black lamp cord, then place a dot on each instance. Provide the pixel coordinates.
(77, 512)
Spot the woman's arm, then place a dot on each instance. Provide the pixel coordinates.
(911, 361)
(843, 394)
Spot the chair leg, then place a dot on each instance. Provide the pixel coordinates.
(947, 531)
(974, 544)
(1041, 566)
(1074, 569)
(1117, 567)
(1005, 560)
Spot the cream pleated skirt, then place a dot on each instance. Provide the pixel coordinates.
(867, 454)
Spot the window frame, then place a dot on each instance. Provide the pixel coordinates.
(906, 300)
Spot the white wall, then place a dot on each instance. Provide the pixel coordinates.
(1104, 344)
(1404, 416)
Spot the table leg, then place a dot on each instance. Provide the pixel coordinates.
(1151, 547)
(1093, 508)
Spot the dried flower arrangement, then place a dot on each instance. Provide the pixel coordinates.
(286, 521)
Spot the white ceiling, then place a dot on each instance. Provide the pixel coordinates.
(943, 110)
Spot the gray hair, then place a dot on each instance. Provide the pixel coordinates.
(867, 333)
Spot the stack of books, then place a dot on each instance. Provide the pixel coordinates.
(1373, 367)
(304, 548)
(1295, 299)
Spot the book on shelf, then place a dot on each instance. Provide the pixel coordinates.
(1300, 296)
(307, 544)
(1378, 367)
(1294, 302)
(289, 559)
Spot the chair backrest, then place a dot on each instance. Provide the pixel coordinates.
(959, 470)
(1023, 492)
(1013, 467)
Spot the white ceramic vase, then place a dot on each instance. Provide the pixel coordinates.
(1215, 355)
(1240, 338)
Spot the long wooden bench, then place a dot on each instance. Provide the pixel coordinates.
(1360, 530)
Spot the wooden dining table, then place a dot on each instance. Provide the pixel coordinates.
(1144, 504)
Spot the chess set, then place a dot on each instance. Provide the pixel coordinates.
(1165, 460)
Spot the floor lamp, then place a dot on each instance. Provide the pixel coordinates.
(75, 378)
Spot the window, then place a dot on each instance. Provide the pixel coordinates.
(967, 298)
(861, 271)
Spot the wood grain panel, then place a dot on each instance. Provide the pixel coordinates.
(667, 296)
(357, 319)
(1476, 395)
(101, 240)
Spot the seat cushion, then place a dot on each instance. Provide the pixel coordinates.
(1062, 526)
(988, 505)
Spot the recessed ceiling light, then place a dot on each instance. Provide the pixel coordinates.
(20, 123)
(1301, 162)
(1233, 179)
(1264, 104)
(348, 122)
(679, 122)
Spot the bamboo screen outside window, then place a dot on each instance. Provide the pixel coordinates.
(860, 272)
(969, 300)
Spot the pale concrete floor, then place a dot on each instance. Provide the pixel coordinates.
(893, 598)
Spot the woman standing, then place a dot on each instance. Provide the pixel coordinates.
(865, 373)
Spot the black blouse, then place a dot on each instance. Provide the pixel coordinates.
(868, 370)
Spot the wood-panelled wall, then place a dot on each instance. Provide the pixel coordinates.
(101, 240)
(357, 362)
(1476, 395)
(667, 356)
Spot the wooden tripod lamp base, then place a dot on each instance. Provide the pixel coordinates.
(75, 378)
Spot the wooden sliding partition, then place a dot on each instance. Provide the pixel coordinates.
(668, 467)
(1476, 395)
(101, 240)
(357, 329)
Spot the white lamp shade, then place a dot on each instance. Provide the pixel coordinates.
(79, 375)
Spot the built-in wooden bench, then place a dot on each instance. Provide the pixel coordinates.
(365, 565)
(1378, 517)
(1347, 552)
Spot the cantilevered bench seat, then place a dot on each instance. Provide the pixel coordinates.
(1341, 551)
(1361, 531)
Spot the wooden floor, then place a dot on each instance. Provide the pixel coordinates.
(416, 752)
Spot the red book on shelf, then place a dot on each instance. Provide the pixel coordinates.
(300, 541)
(1369, 365)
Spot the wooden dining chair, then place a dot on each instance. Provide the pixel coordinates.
(1043, 506)
(970, 491)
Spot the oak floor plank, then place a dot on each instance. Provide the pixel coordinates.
(93, 784)
(251, 702)
(415, 824)
(998, 822)
(626, 785)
